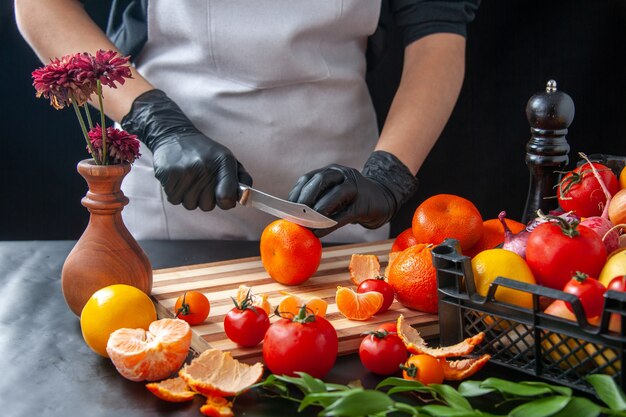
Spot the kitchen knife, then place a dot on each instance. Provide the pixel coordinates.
(294, 212)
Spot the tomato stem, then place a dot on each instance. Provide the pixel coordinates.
(580, 277)
(379, 334)
(246, 303)
(184, 309)
(410, 370)
(569, 229)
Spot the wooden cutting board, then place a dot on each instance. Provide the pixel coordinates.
(220, 280)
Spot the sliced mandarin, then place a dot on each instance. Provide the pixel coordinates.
(355, 306)
(260, 301)
(291, 304)
(174, 390)
(216, 406)
(153, 354)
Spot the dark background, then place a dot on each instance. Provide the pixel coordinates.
(514, 47)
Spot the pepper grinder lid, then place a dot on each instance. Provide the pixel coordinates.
(550, 110)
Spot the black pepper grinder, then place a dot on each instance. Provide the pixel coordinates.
(549, 114)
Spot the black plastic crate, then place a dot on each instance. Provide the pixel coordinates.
(527, 340)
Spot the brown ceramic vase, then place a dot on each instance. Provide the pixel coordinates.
(106, 253)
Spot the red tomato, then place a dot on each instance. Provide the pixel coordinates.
(193, 307)
(556, 250)
(404, 240)
(580, 191)
(246, 325)
(589, 291)
(617, 284)
(304, 343)
(423, 368)
(381, 286)
(389, 327)
(382, 352)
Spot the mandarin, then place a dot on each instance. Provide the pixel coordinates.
(493, 235)
(358, 306)
(447, 215)
(413, 278)
(291, 304)
(153, 354)
(290, 253)
(404, 240)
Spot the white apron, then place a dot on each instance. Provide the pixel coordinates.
(281, 83)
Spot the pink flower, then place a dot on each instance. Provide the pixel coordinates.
(107, 66)
(121, 145)
(59, 82)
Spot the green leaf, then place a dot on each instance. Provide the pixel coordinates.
(445, 411)
(313, 384)
(396, 390)
(608, 391)
(542, 407)
(559, 389)
(322, 399)
(407, 409)
(473, 389)
(336, 387)
(451, 396)
(359, 403)
(514, 388)
(398, 382)
(580, 407)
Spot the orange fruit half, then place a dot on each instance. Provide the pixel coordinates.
(153, 354)
(174, 390)
(417, 345)
(217, 373)
(355, 306)
(291, 304)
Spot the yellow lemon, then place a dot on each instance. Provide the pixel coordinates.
(111, 308)
(492, 263)
(614, 266)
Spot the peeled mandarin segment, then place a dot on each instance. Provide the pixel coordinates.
(461, 369)
(217, 407)
(362, 267)
(355, 306)
(174, 390)
(259, 301)
(217, 373)
(417, 345)
(153, 355)
(289, 304)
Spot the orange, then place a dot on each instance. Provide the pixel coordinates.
(355, 306)
(413, 278)
(111, 308)
(493, 235)
(622, 179)
(290, 253)
(362, 267)
(291, 303)
(404, 240)
(259, 301)
(174, 390)
(217, 373)
(151, 355)
(447, 216)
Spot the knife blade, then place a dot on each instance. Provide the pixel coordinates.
(294, 212)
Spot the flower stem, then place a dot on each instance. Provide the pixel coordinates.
(88, 114)
(84, 129)
(105, 153)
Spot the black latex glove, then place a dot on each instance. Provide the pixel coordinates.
(370, 198)
(193, 169)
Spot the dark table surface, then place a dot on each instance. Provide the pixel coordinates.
(47, 369)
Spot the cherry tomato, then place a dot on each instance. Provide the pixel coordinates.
(617, 284)
(423, 368)
(382, 352)
(589, 291)
(245, 324)
(579, 191)
(381, 286)
(193, 307)
(556, 250)
(303, 343)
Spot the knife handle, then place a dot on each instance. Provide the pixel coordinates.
(244, 192)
